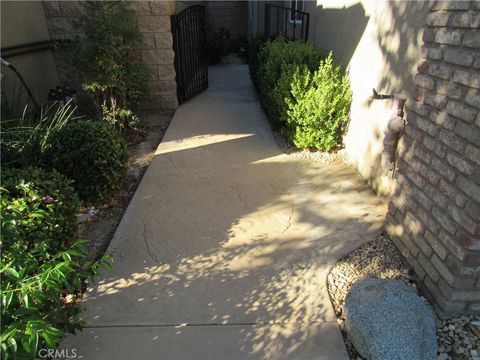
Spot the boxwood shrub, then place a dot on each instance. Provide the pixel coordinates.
(274, 59)
(92, 154)
(303, 92)
(318, 106)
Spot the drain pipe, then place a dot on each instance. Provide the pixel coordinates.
(394, 129)
(14, 69)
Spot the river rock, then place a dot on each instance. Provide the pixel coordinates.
(386, 319)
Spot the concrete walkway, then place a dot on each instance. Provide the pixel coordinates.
(224, 250)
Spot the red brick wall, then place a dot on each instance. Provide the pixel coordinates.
(434, 214)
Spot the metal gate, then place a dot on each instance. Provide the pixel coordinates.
(190, 46)
(290, 23)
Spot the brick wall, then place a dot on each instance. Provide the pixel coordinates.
(434, 214)
(153, 21)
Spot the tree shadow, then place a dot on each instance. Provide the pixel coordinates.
(265, 262)
(380, 42)
(400, 44)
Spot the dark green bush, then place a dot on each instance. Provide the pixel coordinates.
(318, 108)
(42, 261)
(303, 92)
(277, 57)
(93, 154)
(254, 47)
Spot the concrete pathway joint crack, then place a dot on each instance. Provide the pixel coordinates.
(150, 253)
(292, 211)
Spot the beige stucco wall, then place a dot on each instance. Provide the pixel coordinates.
(379, 42)
(22, 23)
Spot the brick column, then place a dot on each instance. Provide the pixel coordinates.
(434, 214)
(153, 21)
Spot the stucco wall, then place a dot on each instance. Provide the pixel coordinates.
(379, 42)
(23, 23)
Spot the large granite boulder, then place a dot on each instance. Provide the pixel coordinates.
(385, 319)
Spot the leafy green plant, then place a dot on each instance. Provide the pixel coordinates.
(121, 119)
(21, 140)
(55, 193)
(319, 105)
(277, 57)
(102, 55)
(43, 264)
(93, 154)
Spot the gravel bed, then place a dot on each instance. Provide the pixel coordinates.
(337, 157)
(458, 338)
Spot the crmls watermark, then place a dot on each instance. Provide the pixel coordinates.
(58, 354)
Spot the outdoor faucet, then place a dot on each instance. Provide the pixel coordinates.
(394, 129)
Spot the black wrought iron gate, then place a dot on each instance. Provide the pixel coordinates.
(189, 44)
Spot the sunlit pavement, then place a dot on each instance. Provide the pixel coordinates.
(224, 250)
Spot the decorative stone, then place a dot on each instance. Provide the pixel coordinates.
(140, 7)
(162, 7)
(386, 319)
(163, 40)
(148, 41)
(166, 72)
(153, 23)
(158, 57)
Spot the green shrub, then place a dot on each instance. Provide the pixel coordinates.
(93, 154)
(319, 106)
(101, 56)
(254, 47)
(55, 194)
(42, 261)
(277, 57)
(303, 92)
(120, 119)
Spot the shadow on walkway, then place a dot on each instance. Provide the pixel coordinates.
(225, 248)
